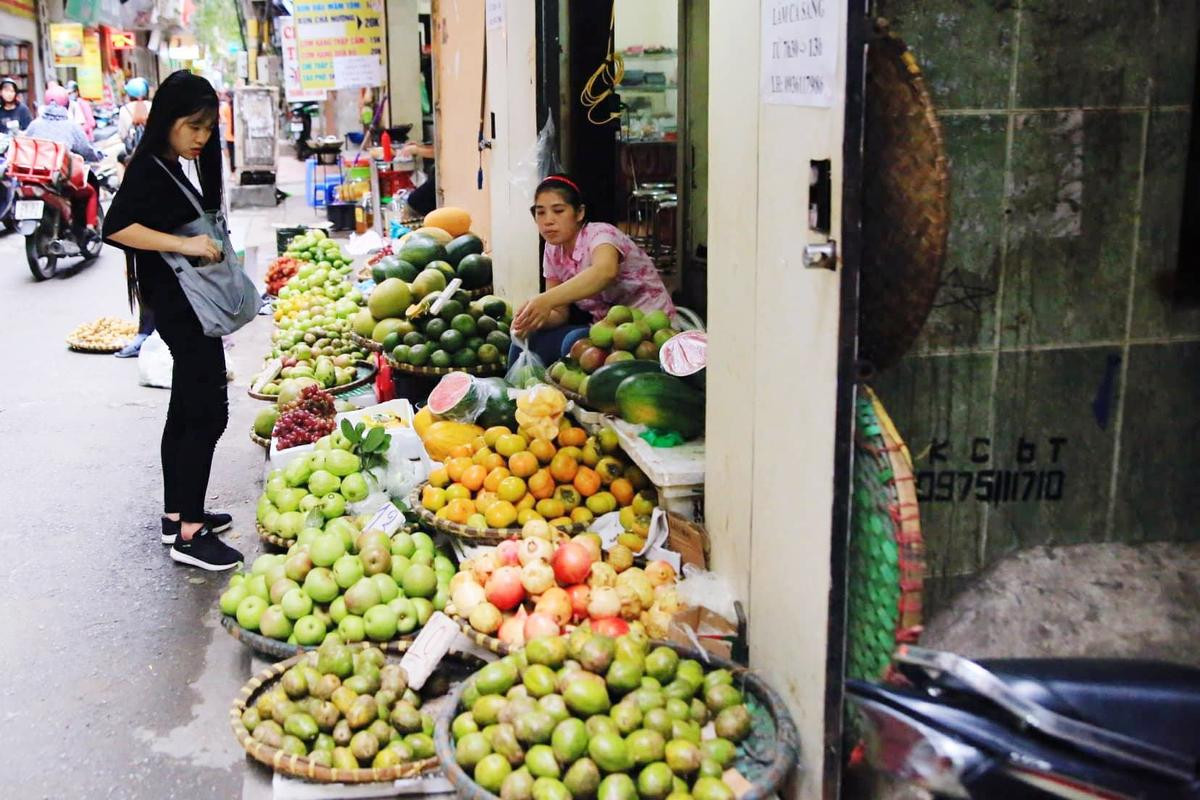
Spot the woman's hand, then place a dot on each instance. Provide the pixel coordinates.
(203, 247)
(533, 316)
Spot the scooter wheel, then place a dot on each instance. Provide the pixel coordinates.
(43, 267)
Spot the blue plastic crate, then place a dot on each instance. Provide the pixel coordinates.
(317, 192)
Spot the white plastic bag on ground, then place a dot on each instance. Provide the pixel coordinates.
(154, 363)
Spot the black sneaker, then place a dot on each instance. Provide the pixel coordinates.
(215, 520)
(206, 551)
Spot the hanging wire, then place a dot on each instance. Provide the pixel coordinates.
(608, 75)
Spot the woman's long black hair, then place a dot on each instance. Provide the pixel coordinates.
(180, 96)
(183, 95)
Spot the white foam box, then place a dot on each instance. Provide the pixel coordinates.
(278, 459)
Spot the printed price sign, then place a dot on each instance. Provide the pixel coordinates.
(799, 51)
(428, 649)
(387, 519)
(335, 40)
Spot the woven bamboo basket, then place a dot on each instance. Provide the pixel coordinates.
(482, 639)
(272, 539)
(765, 758)
(483, 536)
(277, 650)
(906, 203)
(573, 396)
(365, 343)
(480, 371)
(259, 440)
(363, 379)
(79, 347)
(300, 766)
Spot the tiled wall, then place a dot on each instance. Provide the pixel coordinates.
(1054, 395)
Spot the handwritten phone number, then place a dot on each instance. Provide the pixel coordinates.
(990, 486)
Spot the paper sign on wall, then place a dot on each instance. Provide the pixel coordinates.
(295, 92)
(333, 31)
(66, 42)
(90, 73)
(800, 44)
(494, 13)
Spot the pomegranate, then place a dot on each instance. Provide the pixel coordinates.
(535, 549)
(504, 589)
(536, 576)
(466, 596)
(610, 626)
(484, 566)
(571, 563)
(508, 553)
(605, 602)
(602, 574)
(581, 595)
(485, 618)
(631, 604)
(556, 603)
(592, 542)
(512, 631)
(460, 578)
(536, 529)
(538, 625)
(660, 573)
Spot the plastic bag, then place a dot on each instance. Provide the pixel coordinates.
(155, 363)
(474, 398)
(527, 369)
(709, 590)
(408, 465)
(539, 410)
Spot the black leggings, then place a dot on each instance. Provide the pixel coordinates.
(199, 408)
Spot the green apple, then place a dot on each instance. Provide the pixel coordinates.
(322, 482)
(342, 463)
(424, 609)
(354, 487)
(317, 460)
(423, 542)
(324, 444)
(406, 615)
(232, 597)
(275, 488)
(290, 524)
(276, 572)
(262, 564)
(343, 527)
(333, 505)
(307, 536)
(337, 610)
(388, 590)
(257, 586)
(403, 544)
(423, 557)
(376, 561)
(444, 567)
(310, 502)
(296, 604)
(326, 549)
(352, 629)
(380, 623)
(441, 598)
(270, 520)
(400, 565)
(274, 623)
(420, 581)
(347, 570)
(298, 565)
(297, 472)
(280, 588)
(320, 585)
(250, 611)
(290, 499)
(361, 596)
(309, 631)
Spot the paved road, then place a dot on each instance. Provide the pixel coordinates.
(118, 677)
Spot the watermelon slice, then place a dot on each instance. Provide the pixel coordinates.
(456, 397)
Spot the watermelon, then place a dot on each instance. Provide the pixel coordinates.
(398, 268)
(456, 397)
(475, 271)
(602, 387)
(463, 246)
(420, 251)
(498, 409)
(662, 401)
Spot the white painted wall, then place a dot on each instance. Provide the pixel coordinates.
(404, 65)
(772, 372)
(647, 22)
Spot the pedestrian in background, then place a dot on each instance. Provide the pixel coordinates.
(227, 126)
(150, 205)
(14, 115)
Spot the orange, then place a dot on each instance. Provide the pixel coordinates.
(569, 497)
(541, 484)
(610, 469)
(492, 434)
(457, 491)
(550, 508)
(527, 501)
(501, 515)
(485, 500)
(525, 515)
(587, 482)
(582, 515)
(492, 481)
(572, 451)
(494, 460)
(622, 489)
(456, 466)
(509, 445)
(439, 478)
(511, 489)
(443, 512)
(461, 451)
(563, 468)
(459, 510)
(572, 437)
(602, 503)
(544, 449)
(481, 456)
(433, 498)
(523, 464)
(474, 476)
(478, 443)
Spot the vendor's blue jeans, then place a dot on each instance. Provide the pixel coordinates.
(551, 344)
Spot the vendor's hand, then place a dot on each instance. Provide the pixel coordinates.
(533, 316)
(200, 247)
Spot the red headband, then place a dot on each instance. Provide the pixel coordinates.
(561, 179)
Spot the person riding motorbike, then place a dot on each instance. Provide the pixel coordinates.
(81, 110)
(131, 121)
(12, 111)
(55, 124)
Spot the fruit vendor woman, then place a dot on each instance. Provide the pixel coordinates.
(589, 268)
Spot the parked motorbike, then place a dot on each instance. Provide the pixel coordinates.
(45, 218)
(1083, 729)
(8, 188)
(300, 124)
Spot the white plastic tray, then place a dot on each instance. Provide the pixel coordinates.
(401, 407)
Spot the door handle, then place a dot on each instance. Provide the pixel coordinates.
(821, 256)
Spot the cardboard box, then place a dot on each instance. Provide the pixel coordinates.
(689, 540)
(715, 634)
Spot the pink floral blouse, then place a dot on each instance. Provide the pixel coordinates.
(638, 283)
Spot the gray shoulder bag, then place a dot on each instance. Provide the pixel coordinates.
(222, 295)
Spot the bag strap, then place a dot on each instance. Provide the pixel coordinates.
(191, 195)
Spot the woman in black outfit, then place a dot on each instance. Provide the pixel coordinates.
(148, 206)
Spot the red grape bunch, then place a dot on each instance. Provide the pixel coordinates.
(314, 400)
(297, 427)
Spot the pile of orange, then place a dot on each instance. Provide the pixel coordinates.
(502, 480)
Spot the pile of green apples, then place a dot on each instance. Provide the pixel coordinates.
(361, 584)
(313, 490)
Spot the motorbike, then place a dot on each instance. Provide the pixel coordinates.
(45, 217)
(300, 124)
(8, 188)
(1069, 729)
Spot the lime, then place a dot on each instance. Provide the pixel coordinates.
(499, 339)
(450, 310)
(488, 354)
(419, 355)
(474, 343)
(451, 341)
(485, 325)
(466, 359)
(440, 359)
(435, 327)
(464, 324)
(413, 339)
(391, 340)
(401, 353)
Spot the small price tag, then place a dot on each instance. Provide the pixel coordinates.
(387, 519)
(267, 375)
(428, 649)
